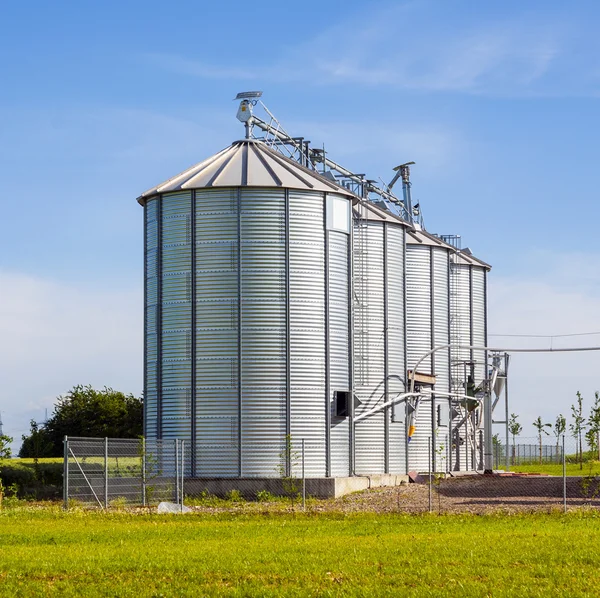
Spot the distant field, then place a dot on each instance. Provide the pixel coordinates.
(46, 552)
(573, 469)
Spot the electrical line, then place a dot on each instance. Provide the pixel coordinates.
(546, 335)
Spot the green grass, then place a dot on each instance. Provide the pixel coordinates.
(45, 552)
(573, 469)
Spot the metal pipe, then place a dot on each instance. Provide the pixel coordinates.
(494, 349)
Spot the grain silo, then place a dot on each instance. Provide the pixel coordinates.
(468, 327)
(428, 326)
(379, 340)
(247, 301)
(283, 303)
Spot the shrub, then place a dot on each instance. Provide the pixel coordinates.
(234, 496)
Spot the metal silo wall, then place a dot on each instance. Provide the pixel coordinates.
(151, 318)
(369, 353)
(338, 343)
(176, 322)
(396, 362)
(461, 314)
(418, 342)
(307, 327)
(264, 342)
(478, 320)
(441, 336)
(217, 333)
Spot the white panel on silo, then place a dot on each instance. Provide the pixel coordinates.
(338, 346)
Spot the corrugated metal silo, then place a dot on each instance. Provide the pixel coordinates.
(379, 348)
(427, 326)
(468, 325)
(247, 313)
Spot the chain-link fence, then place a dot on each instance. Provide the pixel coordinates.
(110, 472)
(529, 475)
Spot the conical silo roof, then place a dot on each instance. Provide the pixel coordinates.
(247, 163)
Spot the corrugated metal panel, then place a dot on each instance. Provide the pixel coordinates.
(369, 344)
(151, 323)
(176, 351)
(338, 347)
(307, 327)
(217, 383)
(460, 314)
(478, 319)
(418, 342)
(263, 348)
(441, 308)
(396, 360)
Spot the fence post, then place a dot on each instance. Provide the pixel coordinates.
(176, 444)
(303, 480)
(564, 464)
(66, 473)
(430, 467)
(106, 473)
(182, 469)
(143, 472)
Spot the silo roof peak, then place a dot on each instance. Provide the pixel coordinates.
(247, 163)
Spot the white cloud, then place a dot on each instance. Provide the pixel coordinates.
(485, 55)
(56, 335)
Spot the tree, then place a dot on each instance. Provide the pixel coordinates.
(593, 433)
(5, 453)
(541, 429)
(515, 428)
(577, 427)
(5, 450)
(560, 425)
(84, 411)
(36, 445)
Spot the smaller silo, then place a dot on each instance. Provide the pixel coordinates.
(379, 356)
(428, 326)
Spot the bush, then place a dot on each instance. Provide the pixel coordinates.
(265, 496)
(41, 481)
(234, 496)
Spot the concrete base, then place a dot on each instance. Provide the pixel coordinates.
(316, 487)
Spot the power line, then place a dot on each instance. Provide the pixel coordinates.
(546, 335)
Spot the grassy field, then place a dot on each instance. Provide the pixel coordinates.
(573, 469)
(45, 552)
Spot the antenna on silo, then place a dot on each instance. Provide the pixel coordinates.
(244, 113)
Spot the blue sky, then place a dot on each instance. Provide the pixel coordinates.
(497, 103)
